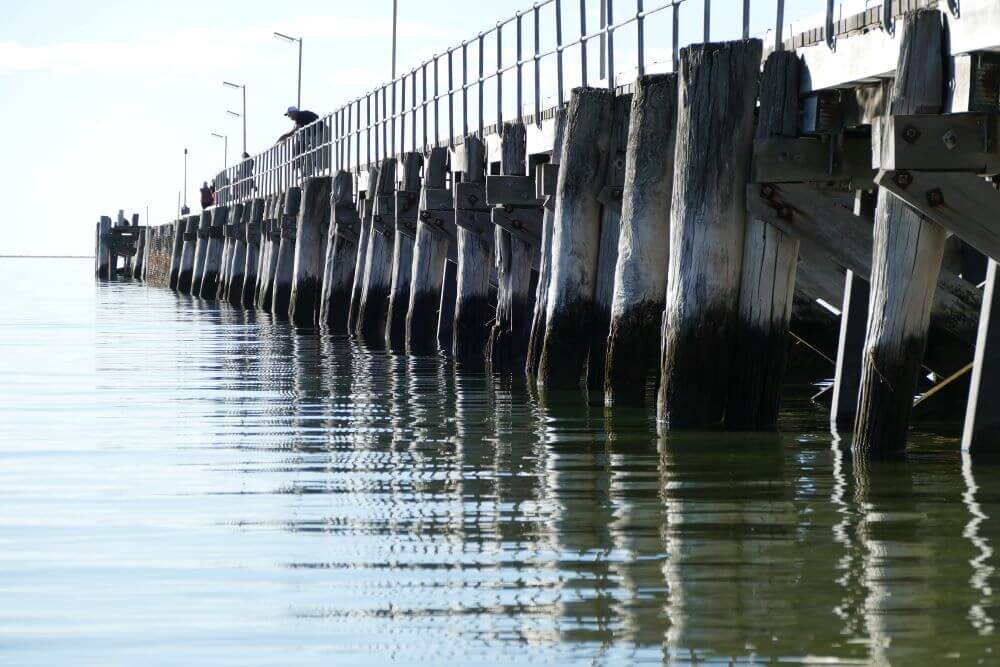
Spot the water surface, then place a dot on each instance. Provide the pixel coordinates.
(185, 483)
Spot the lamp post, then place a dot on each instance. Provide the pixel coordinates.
(185, 210)
(394, 39)
(225, 148)
(243, 88)
(289, 39)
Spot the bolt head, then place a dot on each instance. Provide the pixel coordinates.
(910, 134)
(902, 179)
(950, 139)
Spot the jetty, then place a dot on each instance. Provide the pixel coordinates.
(698, 231)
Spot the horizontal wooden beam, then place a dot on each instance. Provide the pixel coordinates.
(806, 212)
(963, 203)
(843, 157)
(939, 142)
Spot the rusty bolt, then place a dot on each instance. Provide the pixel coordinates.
(473, 199)
(767, 191)
(785, 212)
(508, 208)
(902, 179)
(950, 139)
(616, 194)
(935, 197)
(910, 134)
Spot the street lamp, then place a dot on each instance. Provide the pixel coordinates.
(288, 39)
(225, 149)
(242, 87)
(185, 210)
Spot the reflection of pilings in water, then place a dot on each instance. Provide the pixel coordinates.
(637, 530)
(850, 609)
(577, 478)
(730, 545)
(474, 451)
(898, 564)
(982, 571)
(336, 371)
(515, 462)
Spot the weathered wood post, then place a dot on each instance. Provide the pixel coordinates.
(378, 264)
(475, 253)
(238, 257)
(140, 253)
(518, 218)
(446, 309)
(254, 239)
(853, 326)
(312, 228)
(607, 252)
(981, 433)
(262, 254)
(285, 262)
(407, 206)
(644, 241)
(341, 255)
(435, 231)
(358, 284)
(228, 238)
(185, 268)
(906, 259)
(104, 268)
(213, 253)
(201, 251)
(546, 182)
(272, 238)
(576, 235)
(767, 281)
(717, 86)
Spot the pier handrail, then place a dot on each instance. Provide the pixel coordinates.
(342, 139)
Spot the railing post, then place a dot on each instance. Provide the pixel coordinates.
(583, 42)
(779, 26)
(610, 28)
(559, 54)
(828, 25)
(640, 37)
(707, 23)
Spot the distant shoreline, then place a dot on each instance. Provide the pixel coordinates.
(46, 257)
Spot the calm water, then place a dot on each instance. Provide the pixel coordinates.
(189, 484)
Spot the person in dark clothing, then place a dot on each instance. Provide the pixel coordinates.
(307, 142)
(246, 175)
(207, 196)
(301, 118)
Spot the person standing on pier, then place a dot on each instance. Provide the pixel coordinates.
(308, 140)
(246, 175)
(207, 196)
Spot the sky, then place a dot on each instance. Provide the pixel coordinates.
(101, 97)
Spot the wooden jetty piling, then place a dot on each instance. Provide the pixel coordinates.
(253, 252)
(546, 183)
(517, 214)
(341, 255)
(767, 280)
(270, 237)
(640, 280)
(435, 232)
(981, 432)
(284, 265)
(576, 238)
(717, 93)
(446, 309)
(200, 251)
(474, 233)
(906, 259)
(358, 283)
(185, 267)
(312, 229)
(607, 250)
(407, 205)
(105, 269)
(139, 262)
(237, 261)
(228, 238)
(213, 250)
(374, 305)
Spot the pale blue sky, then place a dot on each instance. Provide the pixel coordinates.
(102, 96)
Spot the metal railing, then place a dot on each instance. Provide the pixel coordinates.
(427, 107)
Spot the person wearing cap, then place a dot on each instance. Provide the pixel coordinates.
(301, 118)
